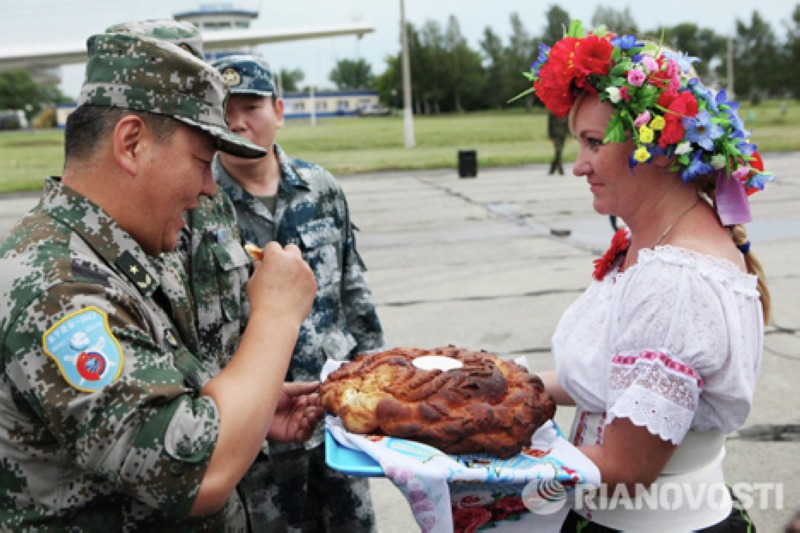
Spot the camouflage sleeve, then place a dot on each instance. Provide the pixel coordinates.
(145, 431)
(362, 318)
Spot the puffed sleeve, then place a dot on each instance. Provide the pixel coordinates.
(687, 343)
(122, 407)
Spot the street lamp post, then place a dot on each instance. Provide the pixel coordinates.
(729, 61)
(408, 116)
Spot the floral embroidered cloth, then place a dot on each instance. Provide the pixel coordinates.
(464, 492)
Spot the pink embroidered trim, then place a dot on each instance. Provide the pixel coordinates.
(580, 430)
(662, 358)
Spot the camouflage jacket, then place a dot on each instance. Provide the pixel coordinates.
(311, 212)
(209, 271)
(103, 427)
(557, 128)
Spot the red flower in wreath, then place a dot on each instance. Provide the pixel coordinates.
(592, 56)
(758, 164)
(678, 106)
(660, 78)
(571, 61)
(619, 243)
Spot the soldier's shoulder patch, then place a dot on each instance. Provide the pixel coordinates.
(86, 352)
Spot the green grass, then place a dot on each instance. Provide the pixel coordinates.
(26, 158)
(356, 145)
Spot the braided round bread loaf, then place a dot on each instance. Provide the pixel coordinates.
(488, 405)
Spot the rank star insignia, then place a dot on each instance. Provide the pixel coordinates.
(231, 77)
(136, 272)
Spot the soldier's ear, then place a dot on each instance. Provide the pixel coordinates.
(127, 143)
(279, 109)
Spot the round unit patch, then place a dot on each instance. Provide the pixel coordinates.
(86, 352)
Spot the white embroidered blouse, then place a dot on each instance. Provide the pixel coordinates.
(673, 343)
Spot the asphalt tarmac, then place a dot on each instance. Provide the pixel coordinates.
(490, 262)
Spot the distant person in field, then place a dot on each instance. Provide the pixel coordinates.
(557, 131)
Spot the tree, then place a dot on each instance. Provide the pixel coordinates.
(791, 56)
(390, 83)
(619, 22)
(506, 64)
(352, 74)
(429, 75)
(290, 80)
(557, 24)
(494, 67)
(522, 52)
(755, 59)
(465, 77)
(18, 91)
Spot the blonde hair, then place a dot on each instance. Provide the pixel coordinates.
(707, 186)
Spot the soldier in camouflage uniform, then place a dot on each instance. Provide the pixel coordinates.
(205, 277)
(292, 201)
(109, 422)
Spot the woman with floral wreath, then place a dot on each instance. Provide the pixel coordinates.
(661, 353)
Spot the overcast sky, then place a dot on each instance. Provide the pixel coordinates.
(23, 21)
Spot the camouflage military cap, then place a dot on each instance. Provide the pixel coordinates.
(144, 74)
(178, 32)
(246, 74)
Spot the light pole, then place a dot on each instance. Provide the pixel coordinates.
(408, 116)
(729, 60)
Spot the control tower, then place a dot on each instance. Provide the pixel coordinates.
(219, 16)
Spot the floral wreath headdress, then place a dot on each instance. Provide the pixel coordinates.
(655, 100)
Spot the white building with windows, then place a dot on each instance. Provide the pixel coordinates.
(328, 103)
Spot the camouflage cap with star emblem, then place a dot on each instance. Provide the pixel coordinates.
(246, 74)
(140, 73)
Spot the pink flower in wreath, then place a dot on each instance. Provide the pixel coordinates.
(642, 119)
(636, 77)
